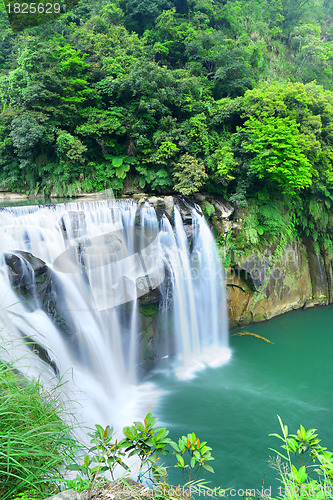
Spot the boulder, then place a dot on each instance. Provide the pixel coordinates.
(36, 284)
(67, 495)
(28, 275)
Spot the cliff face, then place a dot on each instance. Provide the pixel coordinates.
(260, 288)
(277, 281)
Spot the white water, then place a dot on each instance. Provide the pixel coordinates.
(126, 253)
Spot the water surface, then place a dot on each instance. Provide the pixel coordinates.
(235, 407)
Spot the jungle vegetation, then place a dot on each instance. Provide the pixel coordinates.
(229, 97)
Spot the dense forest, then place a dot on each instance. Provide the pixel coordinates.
(229, 97)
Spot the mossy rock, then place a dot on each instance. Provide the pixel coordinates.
(148, 310)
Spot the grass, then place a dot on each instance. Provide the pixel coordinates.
(34, 441)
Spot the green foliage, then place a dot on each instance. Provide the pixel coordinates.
(35, 443)
(278, 156)
(141, 15)
(147, 442)
(78, 484)
(208, 209)
(190, 174)
(265, 223)
(198, 453)
(25, 135)
(144, 440)
(106, 455)
(70, 148)
(305, 467)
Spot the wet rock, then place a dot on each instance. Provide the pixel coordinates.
(152, 297)
(223, 208)
(254, 271)
(169, 206)
(159, 206)
(41, 352)
(28, 275)
(54, 306)
(36, 284)
(185, 207)
(319, 282)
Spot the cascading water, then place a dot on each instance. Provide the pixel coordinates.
(73, 278)
(200, 321)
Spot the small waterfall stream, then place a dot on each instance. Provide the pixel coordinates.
(73, 279)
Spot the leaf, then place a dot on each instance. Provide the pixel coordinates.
(292, 445)
(283, 427)
(302, 474)
(131, 160)
(134, 452)
(77, 468)
(277, 436)
(161, 434)
(208, 467)
(121, 171)
(100, 430)
(117, 161)
(129, 435)
(175, 446)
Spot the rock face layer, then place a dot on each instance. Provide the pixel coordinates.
(260, 288)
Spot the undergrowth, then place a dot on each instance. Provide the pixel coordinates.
(35, 444)
(34, 441)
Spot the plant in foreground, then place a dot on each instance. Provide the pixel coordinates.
(106, 455)
(147, 442)
(34, 441)
(305, 467)
(198, 454)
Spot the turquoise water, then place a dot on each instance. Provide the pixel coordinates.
(234, 408)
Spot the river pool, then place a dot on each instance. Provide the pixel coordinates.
(234, 408)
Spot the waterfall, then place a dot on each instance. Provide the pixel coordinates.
(74, 279)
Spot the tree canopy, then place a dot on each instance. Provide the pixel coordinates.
(231, 97)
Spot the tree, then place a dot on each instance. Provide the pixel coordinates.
(190, 174)
(277, 153)
(70, 148)
(26, 134)
(222, 61)
(141, 14)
